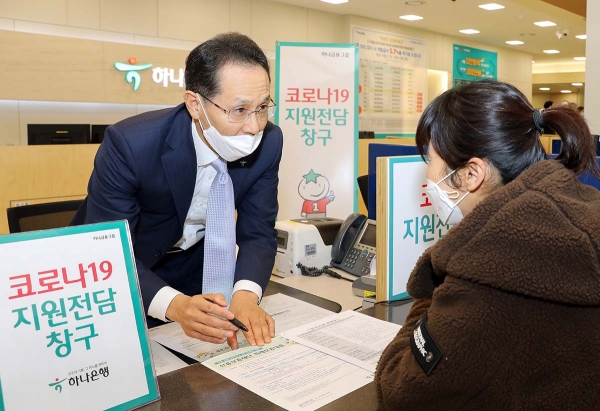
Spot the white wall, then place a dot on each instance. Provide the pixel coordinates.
(182, 24)
(538, 100)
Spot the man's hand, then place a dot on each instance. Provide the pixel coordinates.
(261, 327)
(197, 317)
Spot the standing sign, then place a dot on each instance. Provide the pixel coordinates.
(471, 64)
(406, 222)
(73, 335)
(393, 81)
(317, 92)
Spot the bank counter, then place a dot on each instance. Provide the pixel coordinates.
(198, 388)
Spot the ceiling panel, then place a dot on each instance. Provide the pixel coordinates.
(514, 22)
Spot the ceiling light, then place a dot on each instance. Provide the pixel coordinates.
(581, 37)
(514, 42)
(544, 88)
(577, 84)
(532, 61)
(566, 91)
(335, 1)
(469, 31)
(411, 17)
(491, 6)
(414, 3)
(579, 58)
(551, 51)
(544, 23)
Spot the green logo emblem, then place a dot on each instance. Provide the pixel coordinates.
(57, 385)
(131, 69)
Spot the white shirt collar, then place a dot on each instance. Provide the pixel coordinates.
(204, 155)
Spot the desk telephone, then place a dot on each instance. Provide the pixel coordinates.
(353, 248)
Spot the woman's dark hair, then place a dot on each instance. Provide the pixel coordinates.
(204, 62)
(495, 121)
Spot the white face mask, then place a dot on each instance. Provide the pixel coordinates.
(229, 148)
(446, 209)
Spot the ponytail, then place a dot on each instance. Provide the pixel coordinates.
(578, 150)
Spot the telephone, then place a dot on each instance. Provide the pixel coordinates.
(354, 245)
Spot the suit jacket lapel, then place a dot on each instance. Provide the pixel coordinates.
(179, 162)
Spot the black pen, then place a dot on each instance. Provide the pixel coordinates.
(235, 321)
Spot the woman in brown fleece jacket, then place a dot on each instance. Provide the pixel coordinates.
(507, 305)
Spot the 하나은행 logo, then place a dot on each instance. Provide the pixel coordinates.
(57, 385)
(131, 69)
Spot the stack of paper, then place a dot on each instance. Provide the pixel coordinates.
(315, 359)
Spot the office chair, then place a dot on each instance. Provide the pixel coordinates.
(363, 185)
(41, 216)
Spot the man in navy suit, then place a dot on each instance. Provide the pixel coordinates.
(155, 170)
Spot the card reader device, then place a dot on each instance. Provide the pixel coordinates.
(305, 241)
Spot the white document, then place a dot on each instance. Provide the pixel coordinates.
(349, 336)
(287, 312)
(164, 360)
(290, 375)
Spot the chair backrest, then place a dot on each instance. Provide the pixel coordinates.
(41, 216)
(363, 186)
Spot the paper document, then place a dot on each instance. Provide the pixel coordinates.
(290, 375)
(287, 312)
(164, 360)
(349, 336)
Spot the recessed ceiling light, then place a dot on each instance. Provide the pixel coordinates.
(335, 1)
(544, 88)
(491, 6)
(544, 23)
(514, 42)
(577, 84)
(551, 51)
(566, 91)
(581, 37)
(579, 58)
(411, 17)
(532, 61)
(414, 2)
(469, 31)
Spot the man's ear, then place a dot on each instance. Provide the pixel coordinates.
(474, 174)
(191, 103)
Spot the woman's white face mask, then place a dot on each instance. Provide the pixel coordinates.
(229, 148)
(446, 209)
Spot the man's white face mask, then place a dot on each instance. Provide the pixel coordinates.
(229, 148)
(446, 209)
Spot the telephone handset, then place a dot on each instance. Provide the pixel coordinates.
(354, 245)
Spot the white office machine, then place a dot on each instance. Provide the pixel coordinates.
(305, 241)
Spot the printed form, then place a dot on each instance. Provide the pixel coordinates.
(290, 375)
(164, 360)
(287, 312)
(316, 358)
(349, 336)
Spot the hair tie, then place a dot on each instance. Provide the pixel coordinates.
(538, 120)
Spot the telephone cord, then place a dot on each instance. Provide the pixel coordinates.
(316, 272)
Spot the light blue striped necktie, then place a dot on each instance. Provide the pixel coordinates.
(219, 237)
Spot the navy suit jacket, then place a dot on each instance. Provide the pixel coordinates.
(145, 172)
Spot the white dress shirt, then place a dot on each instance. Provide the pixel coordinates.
(194, 226)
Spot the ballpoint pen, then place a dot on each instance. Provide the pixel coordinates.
(235, 321)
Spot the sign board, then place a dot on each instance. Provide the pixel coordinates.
(317, 96)
(393, 81)
(73, 329)
(471, 64)
(406, 223)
